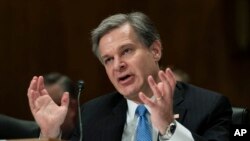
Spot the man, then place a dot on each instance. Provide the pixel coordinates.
(129, 47)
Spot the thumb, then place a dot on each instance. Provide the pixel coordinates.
(65, 99)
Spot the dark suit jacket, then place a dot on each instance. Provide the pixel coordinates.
(205, 113)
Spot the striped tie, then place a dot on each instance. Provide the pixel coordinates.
(144, 128)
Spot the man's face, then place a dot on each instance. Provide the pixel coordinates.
(128, 62)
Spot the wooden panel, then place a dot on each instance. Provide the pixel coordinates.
(37, 37)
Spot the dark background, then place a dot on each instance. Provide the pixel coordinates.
(209, 39)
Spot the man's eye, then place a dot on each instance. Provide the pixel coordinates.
(106, 61)
(127, 51)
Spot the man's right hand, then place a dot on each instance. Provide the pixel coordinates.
(48, 115)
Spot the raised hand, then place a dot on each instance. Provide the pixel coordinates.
(162, 106)
(48, 115)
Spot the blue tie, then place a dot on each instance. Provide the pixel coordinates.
(144, 128)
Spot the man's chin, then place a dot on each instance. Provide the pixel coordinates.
(131, 96)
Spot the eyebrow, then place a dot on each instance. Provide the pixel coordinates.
(104, 56)
(119, 49)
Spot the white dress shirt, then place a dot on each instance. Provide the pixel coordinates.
(181, 133)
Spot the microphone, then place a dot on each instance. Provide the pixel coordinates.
(80, 87)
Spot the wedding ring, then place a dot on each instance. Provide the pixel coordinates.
(159, 98)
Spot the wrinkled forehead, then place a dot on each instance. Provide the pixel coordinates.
(118, 36)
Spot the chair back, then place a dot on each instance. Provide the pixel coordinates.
(240, 116)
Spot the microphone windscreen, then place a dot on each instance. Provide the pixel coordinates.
(80, 84)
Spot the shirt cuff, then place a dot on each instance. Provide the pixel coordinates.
(181, 133)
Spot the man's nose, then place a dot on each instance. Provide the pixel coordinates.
(119, 64)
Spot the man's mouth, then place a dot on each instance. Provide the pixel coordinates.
(126, 79)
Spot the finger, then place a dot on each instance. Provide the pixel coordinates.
(31, 100)
(171, 77)
(31, 92)
(165, 86)
(146, 100)
(156, 91)
(44, 92)
(65, 99)
(162, 88)
(33, 83)
(40, 85)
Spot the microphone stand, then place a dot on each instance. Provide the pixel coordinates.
(80, 85)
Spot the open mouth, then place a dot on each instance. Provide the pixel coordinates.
(125, 79)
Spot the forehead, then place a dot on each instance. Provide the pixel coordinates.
(116, 38)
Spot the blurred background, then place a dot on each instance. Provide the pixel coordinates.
(208, 39)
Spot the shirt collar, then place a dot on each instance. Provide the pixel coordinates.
(132, 107)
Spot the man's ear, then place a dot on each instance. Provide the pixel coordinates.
(156, 50)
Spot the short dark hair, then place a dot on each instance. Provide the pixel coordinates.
(142, 25)
(64, 81)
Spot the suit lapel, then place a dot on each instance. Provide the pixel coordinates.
(179, 110)
(114, 123)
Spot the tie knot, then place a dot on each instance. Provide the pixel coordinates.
(141, 110)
